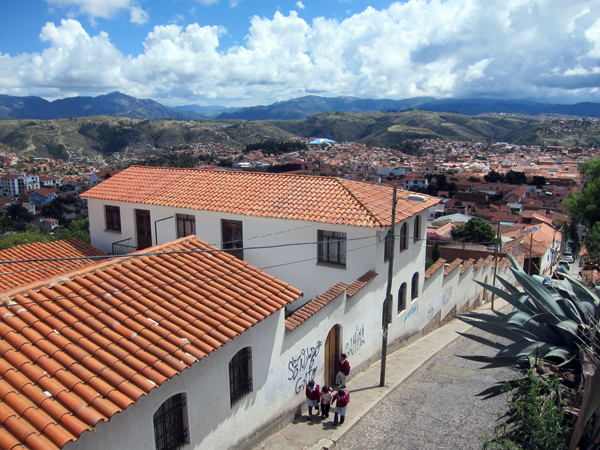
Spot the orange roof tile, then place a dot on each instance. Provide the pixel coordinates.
(296, 197)
(77, 348)
(434, 268)
(27, 266)
(466, 265)
(316, 304)
(453, 265)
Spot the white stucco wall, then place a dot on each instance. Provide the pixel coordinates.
(266, 243)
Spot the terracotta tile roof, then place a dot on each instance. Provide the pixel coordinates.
(536, 242)
(296, 197)
(310, 308)
(478, 264)
(466, 265)
(434, 268)
(453, 265)
(360, 283)
(78, 348)
(15, 274)
(488, 260)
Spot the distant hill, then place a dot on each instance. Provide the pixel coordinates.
(303, 107)
(387, 129)
(207, 112)
(114, 103)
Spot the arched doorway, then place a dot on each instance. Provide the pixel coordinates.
(332, 355)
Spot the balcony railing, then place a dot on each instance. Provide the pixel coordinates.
(123, 247)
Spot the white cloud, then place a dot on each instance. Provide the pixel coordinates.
(503, 48)
(300, 5)
(104, 8)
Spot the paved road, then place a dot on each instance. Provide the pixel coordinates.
(436, 408)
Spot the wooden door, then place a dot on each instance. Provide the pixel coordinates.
(332, 355)
(144, 228)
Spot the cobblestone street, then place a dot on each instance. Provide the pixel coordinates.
(436, 408)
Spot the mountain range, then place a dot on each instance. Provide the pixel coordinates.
(123, 105)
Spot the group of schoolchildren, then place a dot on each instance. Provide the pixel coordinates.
(326, 396)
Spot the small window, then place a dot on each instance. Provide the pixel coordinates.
(331, 247)
(404, 237)
(388, 246)
(417, 229)
(414, 288)
(113, 217)
(170, 431)
(402, 298)
(186, 225)
(233, 238)
(240, 375)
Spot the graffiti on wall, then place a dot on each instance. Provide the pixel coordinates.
(414, 311)
(430, 313)
(356, 341)
(303, 368)
(447, 296)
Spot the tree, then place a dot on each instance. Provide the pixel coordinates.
(475, 230)
(513, 177)
(583, 207)
(592, 243)
(54, 209)
(474, 179)
(494, 177)
(16, 217)
(77, 228)
(538, 181)
(30, 235)
(435, 253)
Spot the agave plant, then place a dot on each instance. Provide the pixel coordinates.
(554, 328)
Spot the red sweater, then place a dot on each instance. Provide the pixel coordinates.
(314, 394)
(343, 400)
(344, 366)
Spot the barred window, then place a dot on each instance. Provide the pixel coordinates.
(331, 247)
(240, 375)
(404, 237)
(113, 217)
(414, 289)
(170, 430)
(233, 238)
(402, 298)
(417, 229)
(186, 225)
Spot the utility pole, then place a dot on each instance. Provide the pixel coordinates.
(530, 249)
(387, 303)
(496, 261)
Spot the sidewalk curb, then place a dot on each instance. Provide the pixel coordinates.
(330, 442)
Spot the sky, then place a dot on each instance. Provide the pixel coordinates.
(251, 52)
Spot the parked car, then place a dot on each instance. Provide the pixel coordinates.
(568, 251)
(568, 259)
(565, 264)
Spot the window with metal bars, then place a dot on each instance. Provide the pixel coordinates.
(414, 288)
(331, 247)
(233, 237)
(186, 225)
(240, 375)
(113, 217)
(404, 237)
(170, 431)
(402, 298)
(417, 229)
